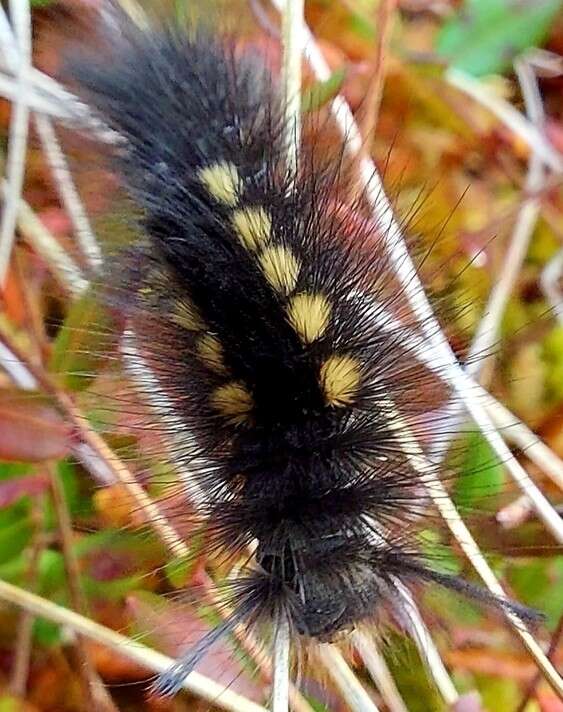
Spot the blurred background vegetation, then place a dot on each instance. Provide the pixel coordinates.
(458, 174)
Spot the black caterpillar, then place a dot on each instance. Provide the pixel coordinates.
(257, 296)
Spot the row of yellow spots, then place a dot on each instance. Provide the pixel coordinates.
(232, 400)
(308, 312)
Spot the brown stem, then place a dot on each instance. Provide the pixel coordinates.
(23, 641)
(372, 102)
(555, 638)
(96, 695)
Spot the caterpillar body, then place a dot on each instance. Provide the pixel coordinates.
(259, 301)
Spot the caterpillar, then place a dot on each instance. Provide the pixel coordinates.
(262, 300)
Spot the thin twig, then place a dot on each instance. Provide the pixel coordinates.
(15, 369)
(509, 116)
(526, 220)
(531, 445)
(196, 683)
(551, 283)
(512, 262)
(23, 644)
(350, 688)
(374, 92)
(55, 156)
(24, 636)
(150, 390)
(19, 125)
(553, 645)
(380, 674)
(95, 693)
(46, 246)
(68, 193)
(419, 632)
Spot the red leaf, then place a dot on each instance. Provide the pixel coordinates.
(12, 490)
(31, 432)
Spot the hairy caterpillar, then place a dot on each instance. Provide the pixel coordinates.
(258, 297)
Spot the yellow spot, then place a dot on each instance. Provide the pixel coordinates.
(210, 351)
(253, 227)
(309, 315)
(186, 315)
(222, 181)
(340, 379)
(281, 268)
(233, 401)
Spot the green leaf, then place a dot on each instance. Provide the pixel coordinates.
(114, 590)
(486, 35)
(552, 356)
(177, 570)
(453, 607)
(321, 93)
(46, 632)
(440, 556)
(539, 584)
(13, 469)
(480, 476)
(51, 573)
(82, 343)
(14, 538)
(410, 675)
(14, 570)
(315, 704)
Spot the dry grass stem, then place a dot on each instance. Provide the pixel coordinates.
(24, 635)
(343, 677)
(421, 636)
(95, 693)
(508, 115)
(68, 193)
(196, 683)
(374, 92)
(19, 125)
(380, 674)
(64, 269)
(552, 284)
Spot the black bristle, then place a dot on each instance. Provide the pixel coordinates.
(256, 305)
